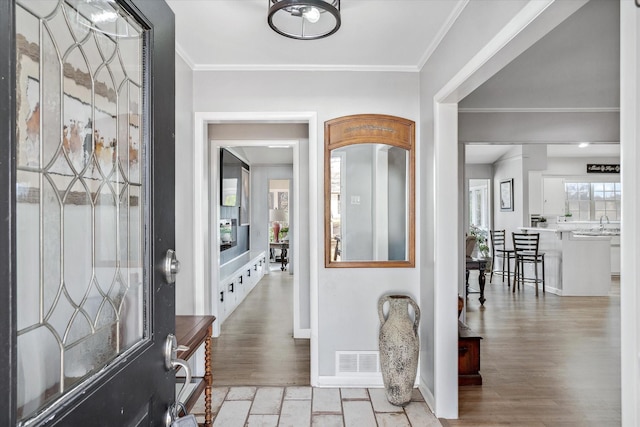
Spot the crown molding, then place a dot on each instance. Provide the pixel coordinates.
(186, 58)
(453, 17)
(542, 110)
(306, 67)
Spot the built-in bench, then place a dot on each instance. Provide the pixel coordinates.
(237, 278)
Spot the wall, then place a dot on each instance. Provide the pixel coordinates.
(348, 298)
(510, 166)
(184, 199)
(565, 167)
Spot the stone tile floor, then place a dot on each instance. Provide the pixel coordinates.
(317, 407)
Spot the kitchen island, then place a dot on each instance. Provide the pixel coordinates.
(578, 262)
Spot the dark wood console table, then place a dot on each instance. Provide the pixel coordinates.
(479, 264)
(284, 248)
(192, 331)
(468, 356)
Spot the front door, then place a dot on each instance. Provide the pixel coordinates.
(87, 208)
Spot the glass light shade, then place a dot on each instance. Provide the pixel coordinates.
(304, 19)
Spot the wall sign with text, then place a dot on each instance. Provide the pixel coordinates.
(596, 168)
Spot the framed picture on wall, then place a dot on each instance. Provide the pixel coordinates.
(506, 195)
(245, 196)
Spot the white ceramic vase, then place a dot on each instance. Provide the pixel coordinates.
(399, 347)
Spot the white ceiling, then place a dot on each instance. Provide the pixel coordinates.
(375, 35)
(266, 155)
(490, 153)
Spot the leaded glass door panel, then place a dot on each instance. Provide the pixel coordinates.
(93, 124)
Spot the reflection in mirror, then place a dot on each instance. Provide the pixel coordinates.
(369, 215)
(369, 192)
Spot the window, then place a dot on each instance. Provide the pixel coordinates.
(479, 203)
(589, 201)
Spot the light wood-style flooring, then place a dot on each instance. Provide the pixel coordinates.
(256, 345)
(545, 361)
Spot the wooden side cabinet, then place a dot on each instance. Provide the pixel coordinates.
(192, 332)
(468, 356)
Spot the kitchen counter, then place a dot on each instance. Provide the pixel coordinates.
(578, 263)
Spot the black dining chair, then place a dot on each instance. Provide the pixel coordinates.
(499, 251)
(526, 247)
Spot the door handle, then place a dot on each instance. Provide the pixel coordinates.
(171, 266)
(171, 361)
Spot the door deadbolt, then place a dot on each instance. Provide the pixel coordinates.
(171, 266)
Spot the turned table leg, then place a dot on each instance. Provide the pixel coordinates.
(208, 379)
(481, 281)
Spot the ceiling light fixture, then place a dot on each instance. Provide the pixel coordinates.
(102, 16)
(583, 145)
(304, 19)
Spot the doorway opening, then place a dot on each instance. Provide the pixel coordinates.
(304, 251)
(280, 211)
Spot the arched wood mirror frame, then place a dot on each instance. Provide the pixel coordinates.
(370, 129)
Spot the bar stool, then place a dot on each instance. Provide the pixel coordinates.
(498, 250)
(526, 250)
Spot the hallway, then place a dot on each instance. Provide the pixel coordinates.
(255, 347)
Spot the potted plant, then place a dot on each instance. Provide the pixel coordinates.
(283, 233)
(480, 236)
(542, 222)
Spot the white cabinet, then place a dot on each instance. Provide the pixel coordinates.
(615, 255)
(237, 279)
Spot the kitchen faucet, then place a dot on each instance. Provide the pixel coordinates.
(601, 225)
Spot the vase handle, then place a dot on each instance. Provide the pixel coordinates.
(416, 310)
(381, 302)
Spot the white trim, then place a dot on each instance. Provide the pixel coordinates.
(185, 57)
(296, 240)
(428, 397)
(315, 242)
(307, 67)
(206, 276)
(535, 20)
(446, 268)
(541, 110)
(630, 235)
(201, 219)
(451, 19)
(373, 381)
(302, 333)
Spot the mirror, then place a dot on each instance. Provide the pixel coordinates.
(369, 191)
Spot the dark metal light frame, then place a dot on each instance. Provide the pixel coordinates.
(288, 6)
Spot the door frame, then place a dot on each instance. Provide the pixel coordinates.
(206, 277)
(8, 359)
(532, 23)
(216, 144)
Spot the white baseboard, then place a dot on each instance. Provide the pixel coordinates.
(428, 396)
(549, 289)
(366, 381)
(374, 381)
(302, 334)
